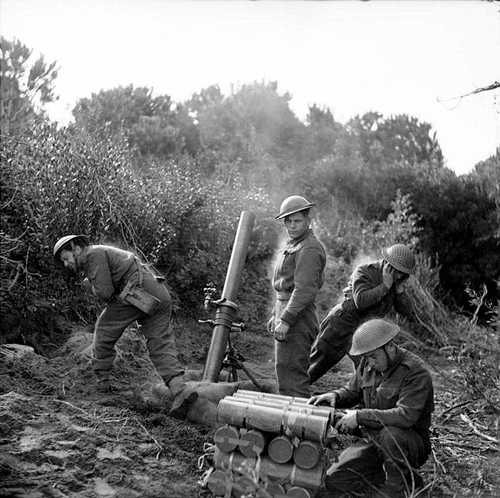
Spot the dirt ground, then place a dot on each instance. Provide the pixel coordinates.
(59, 438)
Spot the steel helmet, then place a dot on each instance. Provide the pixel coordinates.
(400, 257)
(63, 241)
(294, 204)
(372, 335)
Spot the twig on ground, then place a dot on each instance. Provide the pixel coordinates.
(121, 428)
(438, 463)
(455, 406)
(26, 266)
(473, 320)
(468, 421)
(74, 407)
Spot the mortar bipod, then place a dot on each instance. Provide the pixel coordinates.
(233, 360)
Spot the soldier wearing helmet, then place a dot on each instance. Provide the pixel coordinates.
(394, 395)
(373, 291)
(298, 276)
(131, 293)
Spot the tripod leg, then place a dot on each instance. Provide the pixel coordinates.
(234, 373)
(250, 376)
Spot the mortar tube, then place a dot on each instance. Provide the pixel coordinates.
(226, 312)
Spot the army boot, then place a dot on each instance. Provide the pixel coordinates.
(184, 396)
(399, 481)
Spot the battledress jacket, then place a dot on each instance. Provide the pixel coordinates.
(401, 397)
(108, 269)
(367, 296)
(298, 275)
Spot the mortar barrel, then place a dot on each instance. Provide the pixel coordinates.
(280, 449)
(307, 454)
(310, 479)
(260, 395)
(252, 442)
(226, 438)
(221, 331)
(298, 492)
(276, 403)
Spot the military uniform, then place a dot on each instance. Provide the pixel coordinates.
(395, 416)
(109, 269)
(298, 276)
(365, 297)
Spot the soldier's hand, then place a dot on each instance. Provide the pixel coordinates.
(348, 422)
(387, 276)
(401, 287)
(86, 285)
(323, 399)
(281, 330)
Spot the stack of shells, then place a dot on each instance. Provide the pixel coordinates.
(269, 446)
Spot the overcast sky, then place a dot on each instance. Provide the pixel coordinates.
(353, 57)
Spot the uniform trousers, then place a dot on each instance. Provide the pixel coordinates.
(389, 459)
(160, 339)
(292, 355)
(333, 341)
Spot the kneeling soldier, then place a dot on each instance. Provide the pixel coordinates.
(394, 393)
(132, 293)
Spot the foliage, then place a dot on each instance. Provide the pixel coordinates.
(478, 356)
(64, 181)
(152, 125)
(457, 217)
(397, 139)
(26, 85)
(322, 133)
(251, 132)
(168, 179)
(488, 173)
(356, 170)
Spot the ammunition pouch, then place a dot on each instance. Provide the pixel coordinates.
(133, 293)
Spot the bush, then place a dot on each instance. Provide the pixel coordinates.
(65, 181)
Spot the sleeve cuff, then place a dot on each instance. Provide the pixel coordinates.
(362, 418)
(384, 289)
(288, 317)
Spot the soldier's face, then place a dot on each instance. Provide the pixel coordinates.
(296, 225)
(69, 260)
(378, 360)
(398, 276)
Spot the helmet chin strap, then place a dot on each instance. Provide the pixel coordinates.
(387, 356)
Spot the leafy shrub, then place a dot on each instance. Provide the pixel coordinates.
(66, 181)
